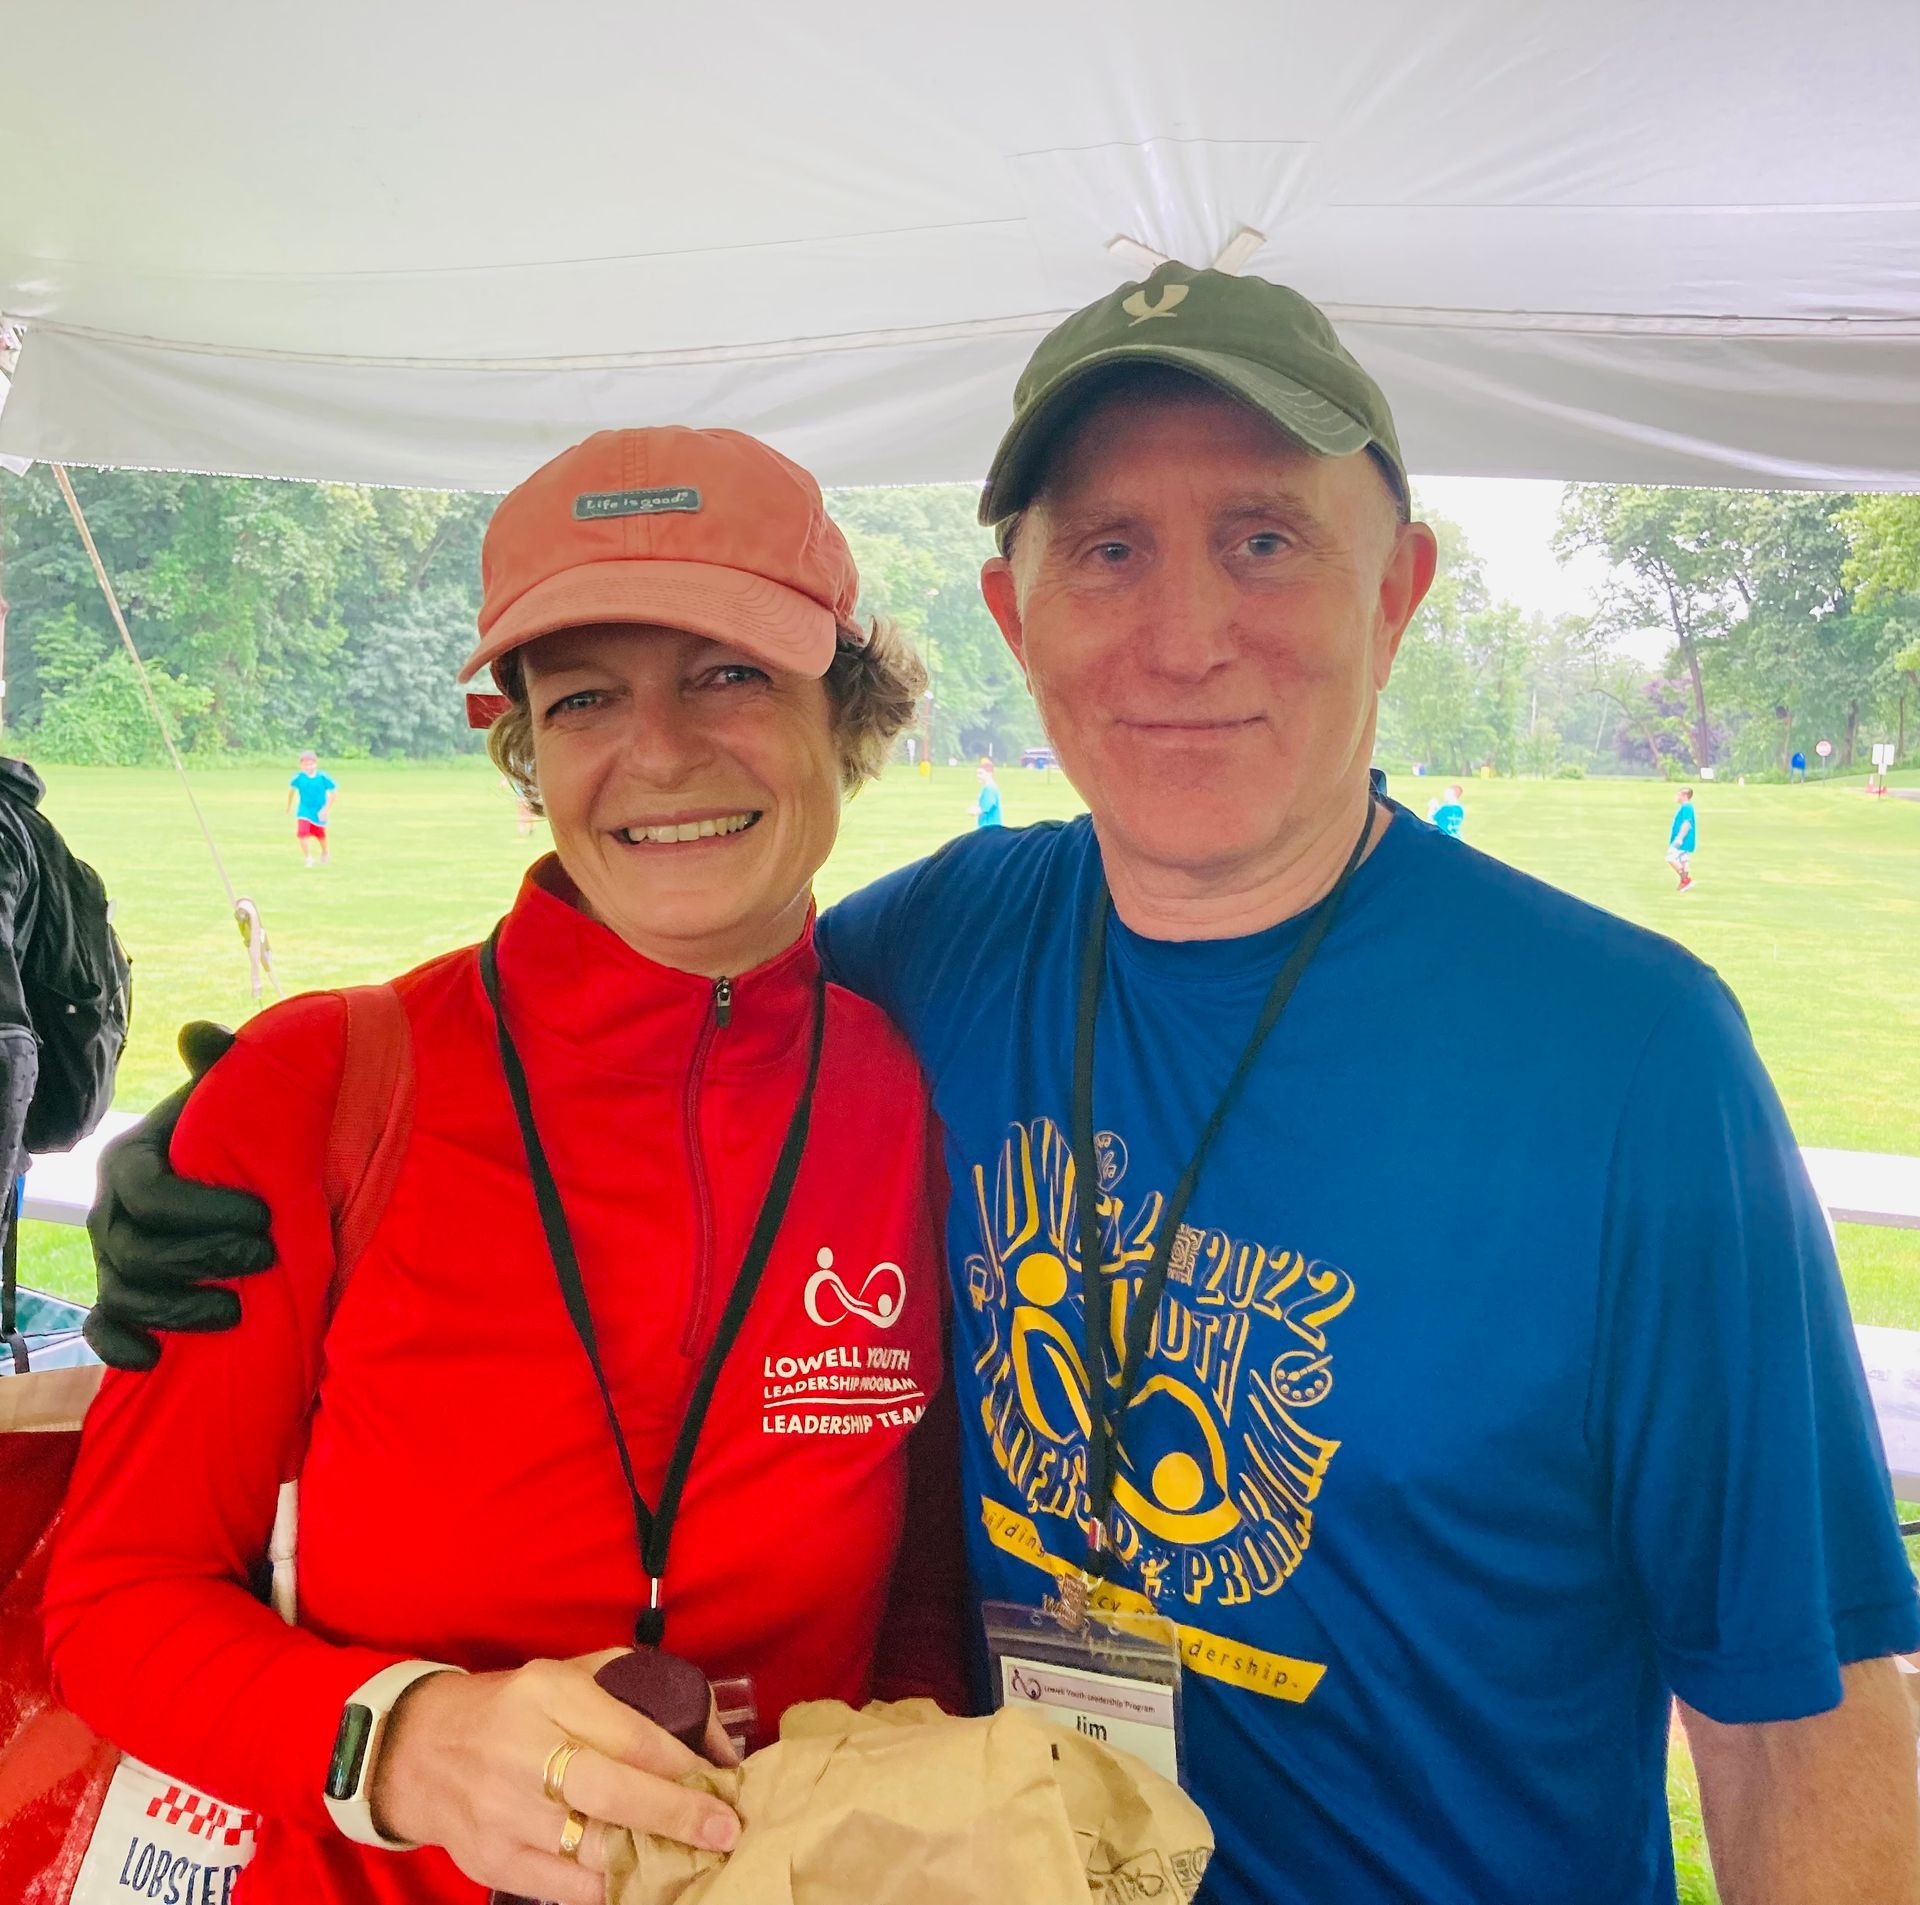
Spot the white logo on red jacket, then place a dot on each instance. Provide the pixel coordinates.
(845, 1388)
(879, 1301)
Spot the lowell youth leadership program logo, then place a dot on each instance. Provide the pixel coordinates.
(1215, 1491)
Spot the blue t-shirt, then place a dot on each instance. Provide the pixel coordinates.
(1449, 816)
(310, 793)
(986, 811)
(1455, 1455)
(1798, 763)
(1682, 835)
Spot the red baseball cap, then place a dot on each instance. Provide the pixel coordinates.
(706, 530)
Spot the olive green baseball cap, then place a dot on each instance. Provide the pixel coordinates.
(1259, 342)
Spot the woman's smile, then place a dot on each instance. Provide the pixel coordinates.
(688, 830)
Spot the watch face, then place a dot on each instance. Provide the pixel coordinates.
(349, 1750)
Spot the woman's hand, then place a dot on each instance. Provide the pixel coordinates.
(463, 1759)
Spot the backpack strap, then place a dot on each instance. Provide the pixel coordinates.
(366, 1145)
(372, 1121)
(10, 1338)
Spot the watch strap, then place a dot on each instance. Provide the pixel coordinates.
(356, 1750)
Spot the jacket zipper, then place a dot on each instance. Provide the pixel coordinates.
(718, 1020)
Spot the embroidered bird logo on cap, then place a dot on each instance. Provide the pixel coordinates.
(1140, 308)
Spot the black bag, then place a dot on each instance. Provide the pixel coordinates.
(75, 983)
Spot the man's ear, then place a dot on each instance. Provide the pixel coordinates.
(1003, 604)
(1403, 587)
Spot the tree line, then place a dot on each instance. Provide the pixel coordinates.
(270, 614)
(276, 615)
(1784, 618)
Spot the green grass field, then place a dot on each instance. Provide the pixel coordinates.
(1808, 903)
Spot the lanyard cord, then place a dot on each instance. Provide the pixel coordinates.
(1104, 1429)
(653, 1528)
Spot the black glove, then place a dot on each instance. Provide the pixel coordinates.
(156, 1236)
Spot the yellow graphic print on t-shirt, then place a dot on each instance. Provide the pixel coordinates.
(1217, 1474)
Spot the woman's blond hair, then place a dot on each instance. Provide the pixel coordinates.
(873, 686)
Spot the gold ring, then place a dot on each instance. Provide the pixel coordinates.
(553, 1781)
(571, 1834)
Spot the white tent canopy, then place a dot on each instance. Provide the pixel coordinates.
(395, 241)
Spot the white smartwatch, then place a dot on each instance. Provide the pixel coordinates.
(356, 1750)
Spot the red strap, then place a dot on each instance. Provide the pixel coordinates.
(372, 1119)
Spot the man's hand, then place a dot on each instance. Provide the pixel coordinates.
(1803, 1812)
(157, 1236)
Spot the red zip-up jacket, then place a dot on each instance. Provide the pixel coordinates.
(461, 1499)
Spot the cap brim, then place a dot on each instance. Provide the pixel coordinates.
(768, 620)
(1318, 425)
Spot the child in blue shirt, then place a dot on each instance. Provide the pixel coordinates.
(986, 806)
(1681, 838)
(1449, 815)
(309, 797)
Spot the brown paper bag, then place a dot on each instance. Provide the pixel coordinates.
(901, 1805)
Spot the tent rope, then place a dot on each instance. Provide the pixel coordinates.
(234, 902)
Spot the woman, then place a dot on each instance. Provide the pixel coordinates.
(648, 1040)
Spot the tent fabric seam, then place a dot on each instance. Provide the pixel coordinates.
(1532, 323)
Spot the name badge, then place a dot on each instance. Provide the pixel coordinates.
(1110, 1675)
(1114, 1709)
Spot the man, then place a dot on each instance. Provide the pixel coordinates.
(986, 804)
(1681, 837)
(1450, 814)
(1797, 766)
(312, 792)
(1451, 1460)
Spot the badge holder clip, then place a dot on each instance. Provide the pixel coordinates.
(738, 1708)
(1107, 1672)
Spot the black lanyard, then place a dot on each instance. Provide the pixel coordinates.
(654, 1526)
(1104, 1428)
